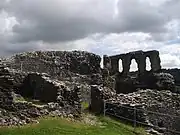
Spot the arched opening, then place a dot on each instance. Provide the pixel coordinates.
(101, 63)
(148, 64)
(120, 65)
(133, 66)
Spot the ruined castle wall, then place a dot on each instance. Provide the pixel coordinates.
(140, 58)
(58, 63)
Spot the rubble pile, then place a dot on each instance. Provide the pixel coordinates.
(153, 107)
(13, 111)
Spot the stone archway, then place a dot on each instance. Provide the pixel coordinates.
(148, 64)
(133, 66)
(112, 62)
(120, 64)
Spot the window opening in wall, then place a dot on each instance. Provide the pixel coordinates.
(148, 64)
(102, 63)
(120, 65)
(133, 66)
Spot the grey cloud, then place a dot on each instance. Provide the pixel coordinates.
(59, 20)
(138, 16)
(7, 48)
(171, 9)
(50, 32)
(2, 4)
(171, 64)
(58, 23)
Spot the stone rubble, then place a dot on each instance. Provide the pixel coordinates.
(57, 63)
(19, 113)
(151, 106)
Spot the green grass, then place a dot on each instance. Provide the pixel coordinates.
(84, 105)
(19, 99)
(59, 126)
(34, 102)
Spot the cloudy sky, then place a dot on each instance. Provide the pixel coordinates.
(100, 26)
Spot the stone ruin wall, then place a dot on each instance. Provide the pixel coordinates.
(57, 63)
(62, 64)
(129, 97)
(84, 63)
(74, 67)
(56, 98)
(112, 62)
(88, 65)
(41, 87)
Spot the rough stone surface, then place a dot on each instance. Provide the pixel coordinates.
(57, 63)
(13, 111)
(129, 84)
(96, 99)
(41, 87)
(164, 81)
(6, 87)
(148, 101)
(38, 87)
(176, 75)
(78, 67)
(125, 82)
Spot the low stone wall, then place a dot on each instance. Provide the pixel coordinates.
(127, 112)
(100, 98)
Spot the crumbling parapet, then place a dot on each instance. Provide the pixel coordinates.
(112, 62)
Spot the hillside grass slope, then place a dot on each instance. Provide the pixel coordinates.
(61, 126)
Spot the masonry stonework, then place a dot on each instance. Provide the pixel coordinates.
(112, 62)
